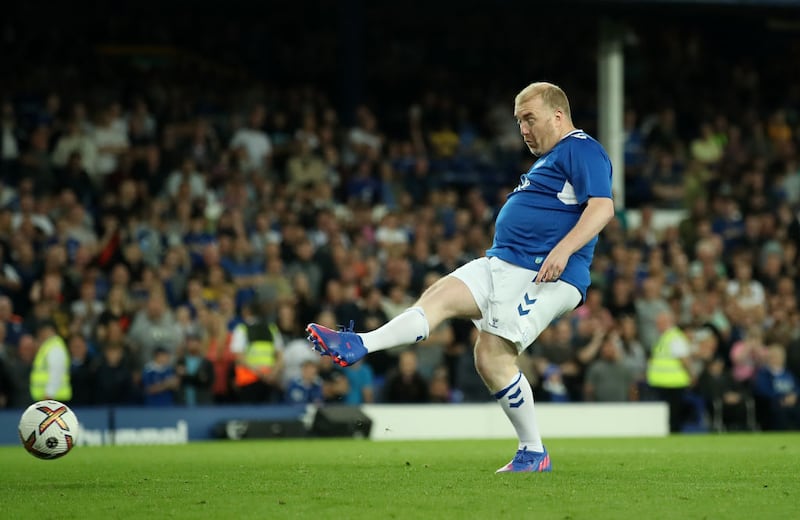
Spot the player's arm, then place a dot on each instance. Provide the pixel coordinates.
(598, 211)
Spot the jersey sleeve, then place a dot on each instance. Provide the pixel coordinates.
(589, 169)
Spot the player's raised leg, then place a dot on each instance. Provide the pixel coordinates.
(449, 297)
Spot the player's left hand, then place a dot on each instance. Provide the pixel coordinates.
(553, 266)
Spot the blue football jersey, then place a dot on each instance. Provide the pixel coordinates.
(548, 203)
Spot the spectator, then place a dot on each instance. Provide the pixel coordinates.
(75, 178)
(154, 326)
(777, 391)
(633, 353)
(187, 174)
(729, 402)
(648, 307)
(621, 298)
(662, 133)
(116, 309)
(439, 387)
(609, 379)
(194, 371)
(74, 143)
(666, 173)
(669, 368)
(83, 367)
(35, 164)
(223, 331)
(707, 265)
(304, 263)
(87, 310)
(364, 140)
(296, 351)
(20, 367)
(252, 145)
(746, 292)
(9, 142)
(114, 379)
(203, 144)
(594, 310)
(553, 357)
(111, 142)
(306, 389)
(304, 168)
(159, 380)
(405, 384)
(747, 355)
(727, 223)
(259, 358)
(360, 384)
(50, 370)
(10, 281)
(706, 147)
(12, 321)
(334, 383)
(47, 305)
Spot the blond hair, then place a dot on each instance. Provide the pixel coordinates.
(552, 96)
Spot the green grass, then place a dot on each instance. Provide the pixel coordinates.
(686, 477)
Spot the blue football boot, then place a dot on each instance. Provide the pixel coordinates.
(344, 346)
(528, 461)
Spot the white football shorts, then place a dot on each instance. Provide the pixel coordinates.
(512, 306)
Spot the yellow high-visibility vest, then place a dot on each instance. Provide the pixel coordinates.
(40, 372)
(664, 370)
(260, 353)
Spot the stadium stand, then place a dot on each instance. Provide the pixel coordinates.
(161, 173)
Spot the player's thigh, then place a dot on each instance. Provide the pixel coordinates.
(552, 301)
(461, 294)
(519, 309)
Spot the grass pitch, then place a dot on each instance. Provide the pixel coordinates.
(687, 477)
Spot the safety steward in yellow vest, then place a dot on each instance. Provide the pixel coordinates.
(50, 370)
(257, 371)
(669, 368)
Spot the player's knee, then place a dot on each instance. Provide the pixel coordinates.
(493, 357)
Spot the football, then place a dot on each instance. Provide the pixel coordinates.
(48, 429)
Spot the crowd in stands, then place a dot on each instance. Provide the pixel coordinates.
(164, 238)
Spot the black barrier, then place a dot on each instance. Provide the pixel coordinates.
(260, 429)
(341, 421)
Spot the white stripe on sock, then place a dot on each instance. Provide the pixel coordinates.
(517, 403)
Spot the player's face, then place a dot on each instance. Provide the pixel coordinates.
(537, 125)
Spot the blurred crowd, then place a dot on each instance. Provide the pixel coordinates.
(179, 247)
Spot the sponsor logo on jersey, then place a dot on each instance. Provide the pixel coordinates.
(524, 182)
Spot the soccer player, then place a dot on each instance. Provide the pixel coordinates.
(536, 270)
